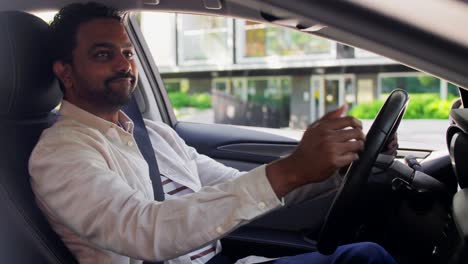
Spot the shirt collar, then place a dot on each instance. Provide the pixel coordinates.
(69, 110)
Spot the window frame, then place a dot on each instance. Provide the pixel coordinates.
(181, 81)
(244, 80)
(443, 87)
(321, 90)
(240, 49)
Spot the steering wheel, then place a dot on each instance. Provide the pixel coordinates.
(344, 205)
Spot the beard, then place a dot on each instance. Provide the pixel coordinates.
(117, 97)
(111, 95)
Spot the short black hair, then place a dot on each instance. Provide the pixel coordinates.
(66, 22)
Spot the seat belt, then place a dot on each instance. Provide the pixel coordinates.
(144, 144)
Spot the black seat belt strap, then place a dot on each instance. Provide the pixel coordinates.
(144, 144)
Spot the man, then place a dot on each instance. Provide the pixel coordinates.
(92, 182)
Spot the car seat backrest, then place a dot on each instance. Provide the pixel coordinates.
(28, 93)
(457, 141)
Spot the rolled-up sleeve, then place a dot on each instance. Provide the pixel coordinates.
(72, 179)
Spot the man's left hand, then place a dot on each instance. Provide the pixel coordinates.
(392, 146)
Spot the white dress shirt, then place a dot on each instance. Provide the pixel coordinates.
(93, 185)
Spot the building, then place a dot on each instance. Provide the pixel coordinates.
(268, 72)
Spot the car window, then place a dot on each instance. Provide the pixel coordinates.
(47, 16)
(233, 71)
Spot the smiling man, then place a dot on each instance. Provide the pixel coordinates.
(89, 79)
(92, 182)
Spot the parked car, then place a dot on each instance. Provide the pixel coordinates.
(415, 223)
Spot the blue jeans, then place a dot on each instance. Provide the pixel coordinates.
(359, 253)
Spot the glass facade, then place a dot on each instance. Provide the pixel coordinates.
(260, 40)
(452, 90)
(413, 84)
(160, 34)
(204, 39)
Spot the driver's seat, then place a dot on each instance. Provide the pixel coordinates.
(457, 142)
(29, 92)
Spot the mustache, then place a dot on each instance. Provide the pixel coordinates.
(121, 75)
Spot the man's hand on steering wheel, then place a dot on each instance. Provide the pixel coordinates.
(327, 145)
(392, 146)
(390, 149)
(381, 138)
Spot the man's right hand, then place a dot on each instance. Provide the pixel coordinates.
(327, 145)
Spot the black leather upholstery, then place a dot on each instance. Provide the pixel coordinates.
(457, 142)
(28, 93)
(458, 149)
(25, 69)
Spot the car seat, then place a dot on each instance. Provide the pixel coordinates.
(29, 92)
(457, 142)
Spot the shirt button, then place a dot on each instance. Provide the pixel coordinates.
(261, 205)
(130, 143)
(219, 230)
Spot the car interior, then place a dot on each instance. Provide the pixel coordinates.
(417, 213)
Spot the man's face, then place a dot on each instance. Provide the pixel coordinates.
(103, 70)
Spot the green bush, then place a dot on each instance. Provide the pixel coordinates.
(366, 111)
(199, 101)
(421, 106)
(179, 99)
(427, 106)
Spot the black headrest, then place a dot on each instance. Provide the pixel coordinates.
(28, 87)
